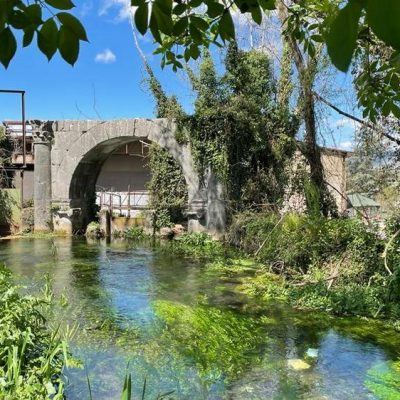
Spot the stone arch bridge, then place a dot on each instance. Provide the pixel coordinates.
(69, 156)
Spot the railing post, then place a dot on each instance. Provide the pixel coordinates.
(129, 201)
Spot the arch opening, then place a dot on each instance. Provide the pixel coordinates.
(105, 175)
(114, 175)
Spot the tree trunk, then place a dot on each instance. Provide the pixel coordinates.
(310, 149)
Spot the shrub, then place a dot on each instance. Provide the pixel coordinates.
(134, 233)
(94, 230)
(197, 245)
(297, 241)
(31, 355)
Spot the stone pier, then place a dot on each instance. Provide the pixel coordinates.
(42, 178)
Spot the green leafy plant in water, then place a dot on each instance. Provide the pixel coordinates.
(197, 245)
(134, 233)
(221, 343)
(232, 266)
(384, 381)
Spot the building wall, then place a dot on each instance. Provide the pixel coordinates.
(334, 163)
(125, 168)
(28, 183)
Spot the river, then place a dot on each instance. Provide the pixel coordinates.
(184, 329)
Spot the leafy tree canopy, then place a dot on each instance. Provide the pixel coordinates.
(50, 21)
(366, 32)
(196, 23)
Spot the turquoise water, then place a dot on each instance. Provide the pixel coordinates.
(184, 330)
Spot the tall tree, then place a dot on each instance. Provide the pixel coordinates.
(306, 65)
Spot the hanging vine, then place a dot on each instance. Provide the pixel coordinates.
(241, 129)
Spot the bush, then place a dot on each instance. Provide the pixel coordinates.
(134, 233)
(31, 356)
(296, 242)
(335, 265)
(346, 299)
(197, 245)
(94, 230)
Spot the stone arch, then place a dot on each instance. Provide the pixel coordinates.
(80, 148)
(69, 155)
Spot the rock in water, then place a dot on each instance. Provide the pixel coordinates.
(298, 365)
(312, 353)
(166, 233)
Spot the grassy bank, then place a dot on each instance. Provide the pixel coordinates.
(337, 265)
(340, 266)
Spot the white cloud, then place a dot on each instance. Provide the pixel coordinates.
(105, 57)
(346, 123)
(347, 145)
(123, 8)
(86, 8)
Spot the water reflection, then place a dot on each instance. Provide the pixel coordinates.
(186, 330)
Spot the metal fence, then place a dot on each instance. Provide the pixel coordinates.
(122, 202)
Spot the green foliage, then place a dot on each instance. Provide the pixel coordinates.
(217, 340)
(343, 299)
(343, 35)
(376, 79)
(177, 26)
(240, 130)
(197, 245)
(9, 207)
(356, 34)
(134, 233)
(295, 242)
(94, 230)
(384, 381)
(182, 30)
(167, 187)
(58, 30)
(32, 356)
(266, 286)
(335, 265)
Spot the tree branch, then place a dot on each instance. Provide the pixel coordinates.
(367, 124)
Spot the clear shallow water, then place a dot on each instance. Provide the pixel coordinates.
(187, 330)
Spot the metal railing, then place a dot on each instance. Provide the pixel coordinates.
(122, 202)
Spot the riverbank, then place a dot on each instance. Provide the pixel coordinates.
(32, 355)
(35, 235)
(339, 266)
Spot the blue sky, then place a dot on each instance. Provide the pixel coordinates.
(108, 73)
(107, 80)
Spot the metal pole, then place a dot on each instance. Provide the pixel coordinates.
(22, 189)
(22, 93)
(23, 130)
